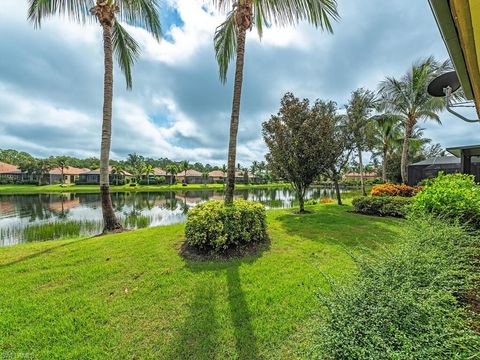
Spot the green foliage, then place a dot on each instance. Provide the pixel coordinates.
(406, 305)
(453, 196)
(311, 202)
(214, 227)
(382, 205)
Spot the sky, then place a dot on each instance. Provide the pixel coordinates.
(51, 79)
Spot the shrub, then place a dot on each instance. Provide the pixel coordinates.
(326, 201)
(214, 227)
(453, 196)
(395, 190)
(382, 205)
(406, 305)
(311, 202)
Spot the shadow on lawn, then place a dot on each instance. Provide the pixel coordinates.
(38, 253)
(337, 225)
(199, 333)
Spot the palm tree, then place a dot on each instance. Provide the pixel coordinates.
(359, 109)
(386, 133)
(116, 39)
(253, 169)
(116, 171)
(171, 169)
(62, 162)
(184, 166)
(147, 171)
(408, 97)
(230, 38)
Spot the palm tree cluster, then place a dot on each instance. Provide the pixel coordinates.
(386, 122)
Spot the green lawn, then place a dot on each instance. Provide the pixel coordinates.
(33, 189)
(131, 296)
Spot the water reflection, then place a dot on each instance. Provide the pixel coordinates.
(25, 217)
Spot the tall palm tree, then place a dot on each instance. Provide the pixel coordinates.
(147, 171)
(116, 39)
(63, 163)
(184, 166)
(171, 169)
(408, 97)
(359, 109)
(116, 171)
(386, 132)
(230, 38)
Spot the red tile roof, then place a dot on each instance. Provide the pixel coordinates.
(217, 173)
(8, 168)
(68, 171)
(190, 172)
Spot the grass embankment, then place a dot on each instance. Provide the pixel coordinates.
(34, 189)
(131, 295)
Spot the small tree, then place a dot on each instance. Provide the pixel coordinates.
(337, 141)
(292, 137)
(184, 166)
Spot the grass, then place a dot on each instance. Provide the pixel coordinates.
(34, 189)
(131, 295)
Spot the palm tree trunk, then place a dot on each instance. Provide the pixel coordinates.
(362, 181)
(63, 177)
(337, 188)
(237, 94)
(406, 143)
(109, 219)
(384, 165)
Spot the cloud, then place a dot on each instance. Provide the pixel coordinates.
(51, 89)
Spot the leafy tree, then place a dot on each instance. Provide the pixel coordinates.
(293, 140)
(359, 109)
(408, 97)
(386, 132)
(37, 168)
(116, 39)
(337, 142)
(14, 157)
(229, 42)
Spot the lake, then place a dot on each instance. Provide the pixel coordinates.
(40, 217)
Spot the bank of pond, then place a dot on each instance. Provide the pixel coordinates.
(39, 217)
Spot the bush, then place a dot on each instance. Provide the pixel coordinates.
(326, 201)
(394, 190)
(407, 304)
(454, 196)
(382, 205)
(214, 227)
(311, 202)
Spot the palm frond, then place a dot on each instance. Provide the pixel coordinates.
(126, 51)
(319, 13)
(141, 13)
(77, 10)
(225, 43)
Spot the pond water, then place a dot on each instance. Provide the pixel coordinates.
(39, 217)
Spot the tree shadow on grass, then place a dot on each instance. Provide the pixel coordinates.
(39, 253)
(199, 333)
(336, 225)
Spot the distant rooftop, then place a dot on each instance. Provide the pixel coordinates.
(443, 160)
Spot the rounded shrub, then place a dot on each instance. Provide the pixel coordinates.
(452, 196)
(395, 206)
(214, 227)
